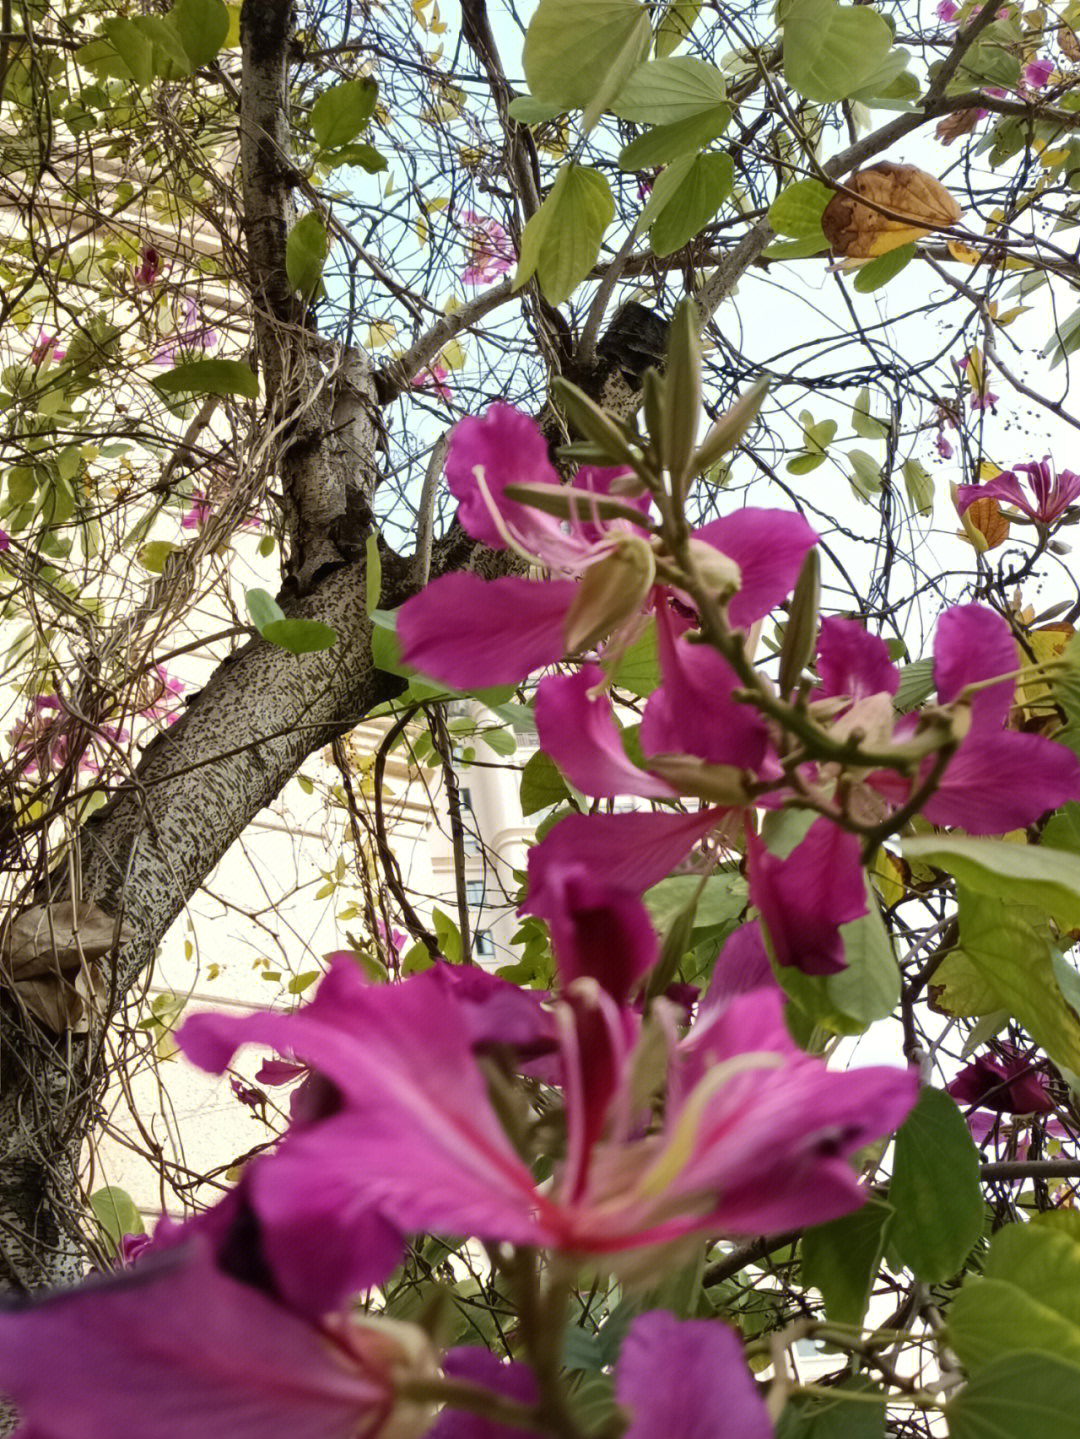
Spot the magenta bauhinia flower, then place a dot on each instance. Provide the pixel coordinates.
(1037, 73)
(998, 780)
(489, 249)
(465, 631)
(1045, 500)
(753, 1137)
(147, 272)
(196, 1337)
(45, 348)
(1005, 1083)
(433, 377)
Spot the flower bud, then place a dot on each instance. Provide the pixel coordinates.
(717, 571)
(611, 591)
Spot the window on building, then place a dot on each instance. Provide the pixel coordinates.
(484, 944)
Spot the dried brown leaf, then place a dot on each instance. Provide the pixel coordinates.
(907, 204)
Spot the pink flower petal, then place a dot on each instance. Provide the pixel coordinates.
(769, 547)
(598, 931)
(971, 644)
(997, 782)
(631, 851)
(578, 732)
(508, 449)
(467, 632)
(687, 1379)
(853, 662)
(805, 898)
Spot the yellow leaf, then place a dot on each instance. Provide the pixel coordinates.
(902, 204)
(964, 253)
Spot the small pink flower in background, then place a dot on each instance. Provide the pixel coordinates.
(5, 541)
(197, 515)
(433, 378)
(973, 368)
(131, 1246)
(393, 939)
(147, 272)
(947, 10)
(162, 696)
(45, 349)
(190, 334)
(1053, 495)
(644, 189)
(1037, 73)
(489, 250)
(943, 447)
(1006, 1083)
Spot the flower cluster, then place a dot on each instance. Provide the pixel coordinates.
(489, 249)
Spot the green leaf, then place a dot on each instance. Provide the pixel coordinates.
(1009, 945)
(890, 87)
(203, 27)
(664, 143)
(1043, 1259)
(830, 50)
(1062, 830)
(865, 474)
(833, 1418)
(448, 935)
(880, 271)
(299, 637)
(117, 1214)
(135, 48)
(263, 608)
(502, 741)
(841, 1259)
(542, 785)
(865, 425)
(990, 1318)
(919, 484)
(676, 25)
(562, 240)
(300, 982)
(1028, 874)
(171, 60)
(916, 684)
(663, 91)
(1065, 339)
(154, 553)
(306, 250)
(989, 61)
(796, 249)
(366, 156)
(935, 1189)
(573, 48)
(340, 113)
(697, 185)
(1025, 1396)
(798, 210)
(719, 904)
(527, 110)
(209, 377)
(638, 669)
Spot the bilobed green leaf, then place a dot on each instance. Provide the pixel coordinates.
(841, 1259)
(263, 608)
(527, 110)
(562, 240)
(340, 113)
(117, 1214)
(719, 902)
(1027, 874)
(664, 143)
(890, 86)
(935, 1189)
(306, 250)
(1024, 1396)
(796, 249)
(209, 377)
(571, 47)
(663, 91)
(299, 637)
(1041, 1259)
(881, 270)
(798, 209)
(203, 27)
(1065, 339)
(990, 60)
(830, 50)
(692, 203)
(865, 474)
(834, 1418)
(916, 684)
